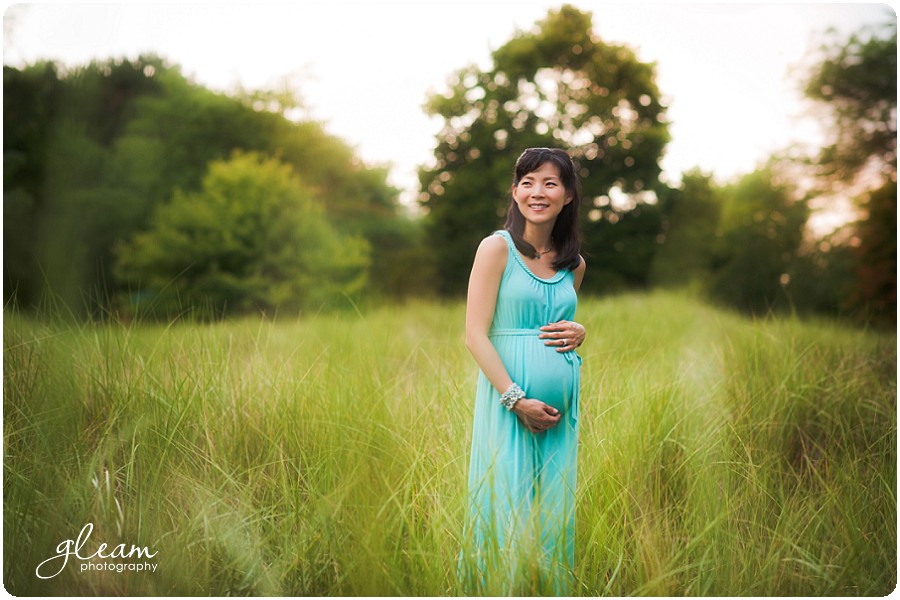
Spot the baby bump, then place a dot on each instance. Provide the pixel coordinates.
(543, 373)
(550, 379)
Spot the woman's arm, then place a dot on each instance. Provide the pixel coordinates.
(579, 273)
(484, 284)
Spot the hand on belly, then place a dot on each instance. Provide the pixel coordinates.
(535, 415)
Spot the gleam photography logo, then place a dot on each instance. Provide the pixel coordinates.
(109, 560)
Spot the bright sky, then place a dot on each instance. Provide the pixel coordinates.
(366, 69)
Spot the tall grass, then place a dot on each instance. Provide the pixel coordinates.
(328, 455)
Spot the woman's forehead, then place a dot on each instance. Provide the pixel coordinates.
(546, 170)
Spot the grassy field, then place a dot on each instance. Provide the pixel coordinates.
(327, 455)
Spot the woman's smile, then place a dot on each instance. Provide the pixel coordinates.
(541, 193)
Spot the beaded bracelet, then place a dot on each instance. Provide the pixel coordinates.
(511, 396)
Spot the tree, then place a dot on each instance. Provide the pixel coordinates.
(90, 151)
(689, 232)
(761, 230)
(81, 212)
(30, 101)
(875, 297)
(855, 84)
(822, 276)
(250, 239)
(625, 234)
(556, 85)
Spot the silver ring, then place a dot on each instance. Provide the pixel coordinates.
(564, 341)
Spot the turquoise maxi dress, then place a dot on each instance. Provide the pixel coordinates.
(519, 536)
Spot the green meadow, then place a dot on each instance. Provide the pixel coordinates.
(327, 454)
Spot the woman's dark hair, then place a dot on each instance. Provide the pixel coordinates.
(566, 238)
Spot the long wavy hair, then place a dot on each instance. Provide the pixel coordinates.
(566, 237)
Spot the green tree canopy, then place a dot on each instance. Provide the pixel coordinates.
(252, 238)
(855, 82)
(90, 151)
(760, 232)
(689, 232)
(855, 85)
(62, 127)
(556, 85)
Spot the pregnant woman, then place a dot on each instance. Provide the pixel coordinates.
(519, 534)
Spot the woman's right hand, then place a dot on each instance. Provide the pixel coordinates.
(535, 415)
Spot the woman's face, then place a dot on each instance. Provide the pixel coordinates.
(541, 195)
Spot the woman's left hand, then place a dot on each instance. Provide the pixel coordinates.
(565, 336)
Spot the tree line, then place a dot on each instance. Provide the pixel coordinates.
(129, 189)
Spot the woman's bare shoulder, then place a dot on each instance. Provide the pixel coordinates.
(579, 272)
(492, 251)
(493, 244)
(582, 265)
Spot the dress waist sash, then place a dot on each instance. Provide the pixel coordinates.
(571, 357)
(494, 332)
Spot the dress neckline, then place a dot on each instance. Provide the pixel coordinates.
(515, 252)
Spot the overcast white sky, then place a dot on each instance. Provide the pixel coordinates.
(365, 69)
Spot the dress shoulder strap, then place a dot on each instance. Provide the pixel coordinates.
(505, 235)
(510, 244)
